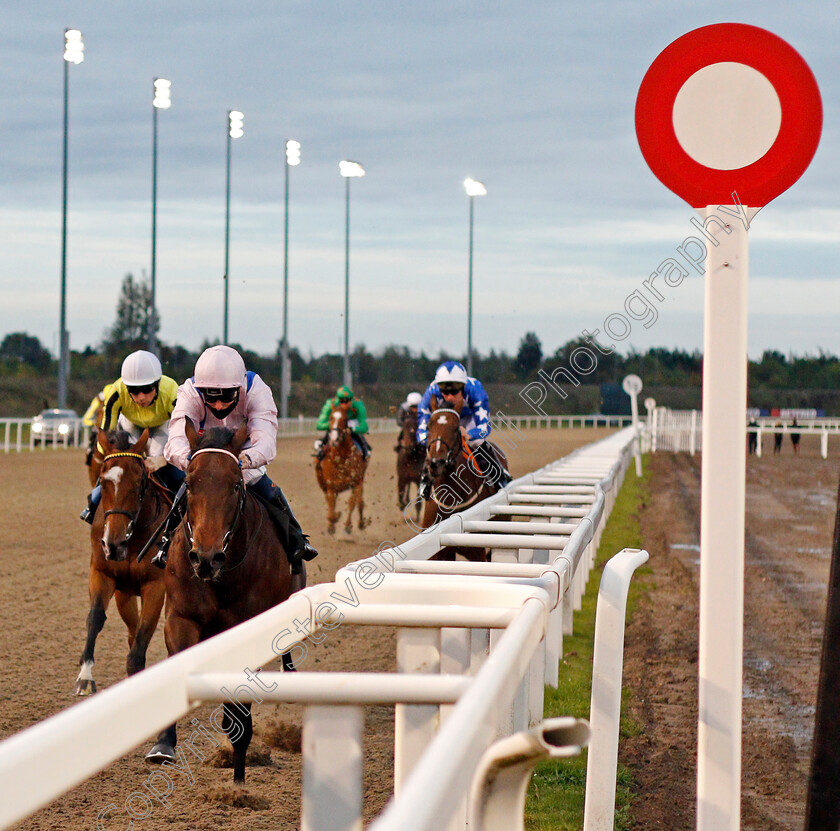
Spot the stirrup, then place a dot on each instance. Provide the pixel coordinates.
(424, 489)
(87, 515)
(159, 560)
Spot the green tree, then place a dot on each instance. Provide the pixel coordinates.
(130, 329)
(19, 349)
(530, 354)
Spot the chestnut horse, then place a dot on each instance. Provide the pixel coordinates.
(342, 467)
(457, 482)
(226, 565)
(132, 507)
(410, 457)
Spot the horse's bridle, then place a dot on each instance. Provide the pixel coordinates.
(240, 505)
(132, 517)
(452, 452)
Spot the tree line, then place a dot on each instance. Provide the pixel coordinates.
(23, 355)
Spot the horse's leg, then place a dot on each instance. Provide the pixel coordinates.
(352, 501)
(179, 633)
(152, 595)
(101, 591)
(402, 486)
(127, 607)
(332, 516)
(360, 502)
(240, 728)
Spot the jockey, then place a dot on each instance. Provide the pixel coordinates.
(411, 403)
(412, 400)
(223, 394)
(452, 388)
(357, 421)
(141, 398)
(90, 420)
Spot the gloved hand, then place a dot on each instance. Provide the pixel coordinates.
(245, 461)
(353, 423)
(154, 463)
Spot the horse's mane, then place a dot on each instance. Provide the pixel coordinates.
(119, 439)
(215, 437)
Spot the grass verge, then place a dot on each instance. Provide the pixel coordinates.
(556, 793)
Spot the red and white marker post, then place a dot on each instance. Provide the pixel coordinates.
(728, 117)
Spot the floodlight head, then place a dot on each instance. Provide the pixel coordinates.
(163, 91)
(350, 169)
(292, 153)
(474, 187)
(236, 124)
(74, 48)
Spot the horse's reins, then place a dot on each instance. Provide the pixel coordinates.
(240, 506)
(132, 517)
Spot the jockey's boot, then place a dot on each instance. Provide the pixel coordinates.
(94, 497)
(295, 542)
(491, 468)
(321, 446)
(424, 489)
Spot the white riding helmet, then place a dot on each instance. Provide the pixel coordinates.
(219, 367)
(451, 372)
(413, 399)
(140, 369)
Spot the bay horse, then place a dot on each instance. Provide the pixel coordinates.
(133, 505)
(225, 565)
(410, 457)
(457, 481)
(342, 467)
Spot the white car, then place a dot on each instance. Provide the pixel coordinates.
(54, 427)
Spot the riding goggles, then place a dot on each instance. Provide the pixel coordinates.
(344, 400)
(142, 390)
(227, 395)
(450, 389)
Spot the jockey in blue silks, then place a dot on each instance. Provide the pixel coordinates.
(452, 387)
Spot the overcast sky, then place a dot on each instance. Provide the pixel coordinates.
(536, 99)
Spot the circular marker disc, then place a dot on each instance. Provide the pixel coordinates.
(728, 108)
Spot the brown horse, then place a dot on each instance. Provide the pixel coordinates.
(132, 507)
(457, 481)
(342, 467)
(226, 565)
(410, 457)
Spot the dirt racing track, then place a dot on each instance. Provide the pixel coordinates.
(44, 551)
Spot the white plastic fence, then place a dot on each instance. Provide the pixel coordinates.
(682, 430)
(15, 434)
(476, 643)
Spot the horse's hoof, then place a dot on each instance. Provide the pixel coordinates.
(348, 530)
(85, 686)
(160, 753)
(331, 529)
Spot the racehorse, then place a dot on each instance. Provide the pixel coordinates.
(342, 467)
(225, 565)
(132, 507)
(410, 457)
(457, 481)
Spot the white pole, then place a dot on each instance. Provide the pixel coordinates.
(634, 411)
(722, 504)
